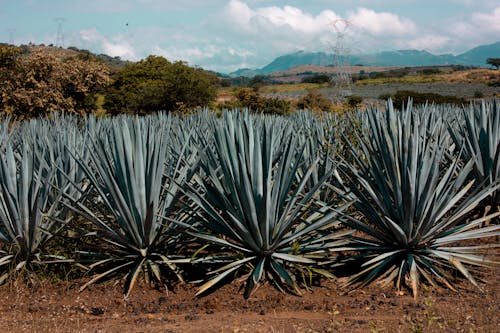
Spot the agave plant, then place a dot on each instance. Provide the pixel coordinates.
(25, 208)
(4, 132)
(478, 136)
(131, 197)
(254, 204)
(415, 203)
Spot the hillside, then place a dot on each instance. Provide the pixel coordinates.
(474, 57)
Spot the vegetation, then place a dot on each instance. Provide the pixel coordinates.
(477, 135)
(314, 101)
(495, 62)
(251, 98)
(155, 84)
(253, 196)
(402, 97)
(317, 78)
(408, 190)
(36, 83)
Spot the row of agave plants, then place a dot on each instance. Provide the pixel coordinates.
(400, 196)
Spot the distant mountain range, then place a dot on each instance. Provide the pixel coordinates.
(474, 57)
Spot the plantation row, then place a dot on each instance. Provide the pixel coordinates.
(404, 196)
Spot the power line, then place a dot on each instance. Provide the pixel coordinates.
(11, 32)
(60, 34)
(341, 80)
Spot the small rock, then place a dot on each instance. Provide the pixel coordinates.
(96, 311)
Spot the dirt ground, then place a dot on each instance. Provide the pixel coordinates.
(59, 307)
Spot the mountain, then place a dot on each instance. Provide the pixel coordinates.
(478, 55)
(474, 57)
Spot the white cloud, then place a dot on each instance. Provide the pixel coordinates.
(489, 22)
(248, 33)
(382, 23)
(478, 28)
(431, 43)
(287, 17)
(117, 47)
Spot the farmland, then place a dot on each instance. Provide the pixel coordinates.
(137, 212)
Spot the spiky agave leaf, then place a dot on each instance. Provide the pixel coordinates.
(477, 134)
(414, 199)
(128, 174)
(24, 206)
(254, 202)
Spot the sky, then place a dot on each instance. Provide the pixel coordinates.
(225, 35)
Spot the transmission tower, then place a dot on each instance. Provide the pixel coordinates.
(11, 32)
(341, 79)
(60, 33)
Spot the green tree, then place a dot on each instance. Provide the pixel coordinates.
(155, 84)
(495, 62)
(36, 83)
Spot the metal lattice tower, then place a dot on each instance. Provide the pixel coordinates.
(60, 33)
(11, 32)
(341, 80)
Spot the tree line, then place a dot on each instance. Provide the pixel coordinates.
(36, 81)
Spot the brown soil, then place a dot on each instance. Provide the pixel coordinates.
(59, 307)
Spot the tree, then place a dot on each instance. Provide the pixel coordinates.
(37, 82)
(495, 62)
(155, 84)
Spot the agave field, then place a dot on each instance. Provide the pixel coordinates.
(409, 197)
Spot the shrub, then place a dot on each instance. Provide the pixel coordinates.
(314, 101)
(155, 84)
(37, 83)
(318, 78)
(251, 99)
(400, 99)
(354, 101)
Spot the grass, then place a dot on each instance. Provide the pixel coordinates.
(469, 76)
(291, 87)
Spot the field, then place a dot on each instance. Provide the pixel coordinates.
(464, 83)
(59, 307)
(376, 220)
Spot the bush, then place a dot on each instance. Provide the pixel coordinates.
(318, 78)
(395, 73)
(402, 96)
(250, 98)
(430, 71)
(354, 101)
(314, 101)
(155, 84)
(36, 83)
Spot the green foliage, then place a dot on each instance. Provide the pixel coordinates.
(401, 98)
(318, 78)
(430, 71)
(495, 62)
(155, 84)
(394, 73)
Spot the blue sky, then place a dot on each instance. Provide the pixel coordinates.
(225, 35)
